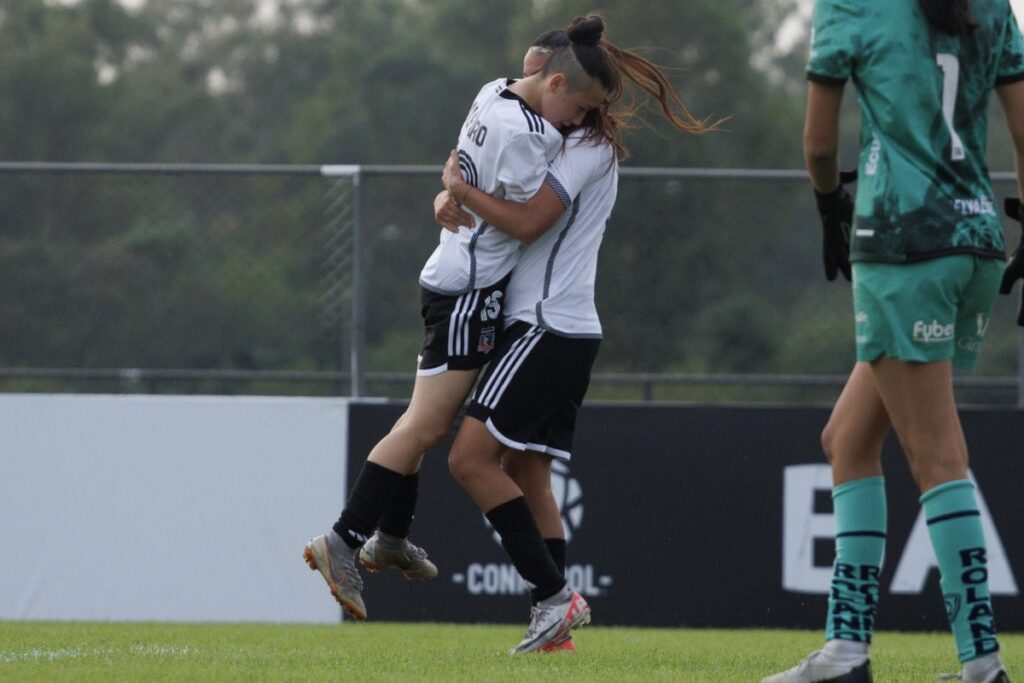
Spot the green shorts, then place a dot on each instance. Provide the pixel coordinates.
(926, 311)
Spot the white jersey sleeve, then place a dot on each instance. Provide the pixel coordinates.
(523, 165)
(553, 283)
(587, 162)
(505, 148)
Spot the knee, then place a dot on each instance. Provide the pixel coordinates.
(433, 434)
(513, 468)
(828, 442)
(424, 433)
(459, 466)
(930, 471)
(527, 482)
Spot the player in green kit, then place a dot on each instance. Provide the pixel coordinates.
(927, 256)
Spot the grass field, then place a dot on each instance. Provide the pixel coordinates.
(108, 652)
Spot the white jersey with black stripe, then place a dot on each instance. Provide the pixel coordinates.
(504, 149)
(553, 282)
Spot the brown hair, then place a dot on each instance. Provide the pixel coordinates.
(949, 16)
(589, 54)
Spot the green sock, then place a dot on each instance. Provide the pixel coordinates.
(860, 542)
(954, 526)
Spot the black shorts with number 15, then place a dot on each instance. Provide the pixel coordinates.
(461, 332)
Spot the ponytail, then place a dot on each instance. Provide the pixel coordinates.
(949, 16)
(648, 77)
(589, 55)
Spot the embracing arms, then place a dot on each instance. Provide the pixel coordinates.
(524, 221)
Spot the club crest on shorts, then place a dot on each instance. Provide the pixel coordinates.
(486, 344)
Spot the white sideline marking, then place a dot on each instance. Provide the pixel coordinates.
(80, 652)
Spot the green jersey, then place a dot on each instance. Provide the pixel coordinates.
(923, 189)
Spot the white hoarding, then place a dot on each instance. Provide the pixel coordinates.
(167, 508)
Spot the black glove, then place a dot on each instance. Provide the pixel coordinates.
(836, 209)
(1015, 267)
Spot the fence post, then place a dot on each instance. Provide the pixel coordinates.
(358, 350)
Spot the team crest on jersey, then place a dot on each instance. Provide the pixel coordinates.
(486, 344)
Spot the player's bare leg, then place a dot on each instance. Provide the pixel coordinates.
(435, 403)
(852, 443)
(852, 438)
(475, 462)
(919, 398)
(531, 471)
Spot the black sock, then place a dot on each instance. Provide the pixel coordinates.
(556, 546)
(398, 514)
(374, 489)
(521, 540)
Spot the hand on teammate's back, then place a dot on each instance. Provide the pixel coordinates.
(836, 209)
(1015, 266)
(449, 213)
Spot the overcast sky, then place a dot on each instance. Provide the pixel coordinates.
(1018, 8)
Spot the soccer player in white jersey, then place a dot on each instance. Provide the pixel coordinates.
(524, 412)
(507, 141)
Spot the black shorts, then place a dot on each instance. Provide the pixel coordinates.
(531, 392)
(460, 332)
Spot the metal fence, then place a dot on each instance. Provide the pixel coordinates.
(302, 279)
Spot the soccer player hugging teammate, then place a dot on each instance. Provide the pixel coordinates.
(508, 145)
(524, 411)
(927, 251)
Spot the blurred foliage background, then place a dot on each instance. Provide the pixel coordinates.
(231, 273)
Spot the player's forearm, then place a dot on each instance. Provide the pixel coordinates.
(821, 155)
(507, 216)
(821, 135)
(523, 221)
(824, 171)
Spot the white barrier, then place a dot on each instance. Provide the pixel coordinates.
(167, 508)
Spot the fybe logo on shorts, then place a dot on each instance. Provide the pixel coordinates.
(982, 325)
(932, 332)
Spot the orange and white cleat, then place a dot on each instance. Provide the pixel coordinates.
(552, 619)
(565, 645)
(384, 551)
(336, 562)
